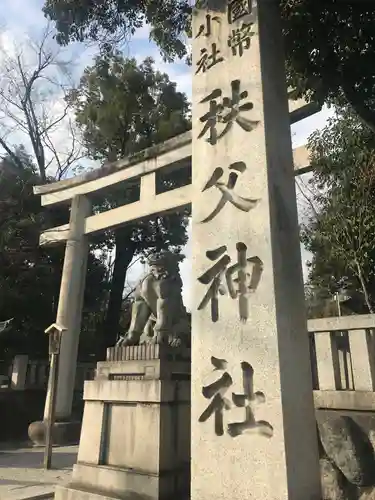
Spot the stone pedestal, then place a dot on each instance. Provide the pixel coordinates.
(135, 438)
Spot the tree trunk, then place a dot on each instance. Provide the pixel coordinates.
(364, 288)
(123, 256)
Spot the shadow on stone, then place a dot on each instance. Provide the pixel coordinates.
(348, 447)
(334, 484)
(34, 460)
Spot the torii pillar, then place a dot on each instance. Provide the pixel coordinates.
(69, 313)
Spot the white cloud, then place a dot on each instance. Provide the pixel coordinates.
(22, 16)
(303, 129)
(25, 17)
(142, 33)
(64, 71)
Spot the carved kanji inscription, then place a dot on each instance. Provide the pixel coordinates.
(227, 190)
(249, 400)
(242, 279)
(225, 112)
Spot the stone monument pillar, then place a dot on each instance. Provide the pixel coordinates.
(135, 439)
(253, 424)
(69, 315)
(19, 372)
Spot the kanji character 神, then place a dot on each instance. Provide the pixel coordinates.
(238, 9)
(227, 112)
(208, 60)
(239, 288)
(227, 190)
(240, 39)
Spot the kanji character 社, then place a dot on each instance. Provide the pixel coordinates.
(208, 60)
(248, 400)
(219, 403)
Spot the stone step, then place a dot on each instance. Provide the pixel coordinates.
(70, 492)
(35, 492)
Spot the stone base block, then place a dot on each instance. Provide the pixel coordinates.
(63, 433)
(104, 482)
(135, 439)
(72, 493)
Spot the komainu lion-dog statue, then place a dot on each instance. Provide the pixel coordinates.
(158, 313)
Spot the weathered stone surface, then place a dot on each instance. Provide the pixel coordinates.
(63, 433)
(135, 440)
(334, 484)
(246, 273)
(69, 310)
(367, 493)
(349, 448)
(158, 313)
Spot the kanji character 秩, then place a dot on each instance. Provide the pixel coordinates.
(227, 112)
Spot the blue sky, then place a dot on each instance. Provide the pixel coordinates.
(20, 17)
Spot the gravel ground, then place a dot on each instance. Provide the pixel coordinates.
(22, 475)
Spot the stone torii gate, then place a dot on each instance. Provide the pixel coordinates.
(241, 130)
(175, 153)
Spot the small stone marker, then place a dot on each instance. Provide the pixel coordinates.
(253, 424)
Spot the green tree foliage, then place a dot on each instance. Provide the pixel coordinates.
(330, 45)
(30, 275)
(330, 50)
(340, 230)
(122, 108)
(78, 20)
(321, 304)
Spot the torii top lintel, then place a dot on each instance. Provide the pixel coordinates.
(174, 153)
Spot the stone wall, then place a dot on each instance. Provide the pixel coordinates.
(347, 454)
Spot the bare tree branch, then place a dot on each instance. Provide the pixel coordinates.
(34, 81)
(308, 195)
